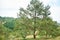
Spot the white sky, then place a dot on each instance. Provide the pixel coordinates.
(10, 8)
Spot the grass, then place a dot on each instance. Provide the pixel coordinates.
(41, 38)
(57, 38)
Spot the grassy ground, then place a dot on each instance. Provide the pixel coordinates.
(31, 38)
(44, 39)
(57, 38)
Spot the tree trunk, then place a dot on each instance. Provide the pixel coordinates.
(46, 35)
(34, 36)
(34, 26)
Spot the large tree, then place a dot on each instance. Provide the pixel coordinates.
(35, 11)
(35, 18)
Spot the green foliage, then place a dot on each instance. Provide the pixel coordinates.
(34, 20)
(21, 28)
(31, 16)
(50, 27)
(4, 31)
(9, 24)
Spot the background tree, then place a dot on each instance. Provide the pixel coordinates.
(4, 31)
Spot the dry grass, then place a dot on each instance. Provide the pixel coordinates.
(30, 37)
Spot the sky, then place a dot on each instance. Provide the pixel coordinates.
(10, 8)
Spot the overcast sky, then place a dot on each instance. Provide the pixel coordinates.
(10, 8)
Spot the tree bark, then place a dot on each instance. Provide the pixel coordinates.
(34, 36)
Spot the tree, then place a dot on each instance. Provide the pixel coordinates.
(35, 11)
(4, 32)
(9, 24)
